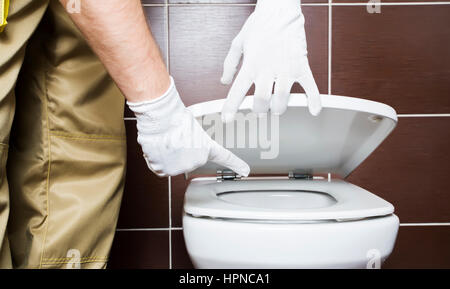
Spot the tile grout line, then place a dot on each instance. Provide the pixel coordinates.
(423, 224)
(330, 30)
(167, 28)
(443, 224)
(394, 3)
(169, 179)
(425, 115)
(148, 229)
(402, 115)
(303, 4)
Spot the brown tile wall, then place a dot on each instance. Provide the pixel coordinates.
(399, 57)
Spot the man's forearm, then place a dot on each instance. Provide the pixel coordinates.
(118, 33)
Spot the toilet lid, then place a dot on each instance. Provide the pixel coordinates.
(282, 200)
(345, 133)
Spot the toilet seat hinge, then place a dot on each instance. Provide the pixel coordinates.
(300, 176)
(227, 175)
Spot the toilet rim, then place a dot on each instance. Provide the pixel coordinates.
(352, 202)
(287, 221)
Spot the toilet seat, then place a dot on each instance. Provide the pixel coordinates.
(335, 142)
(203, 199)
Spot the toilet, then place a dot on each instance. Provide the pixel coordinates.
(296, 210)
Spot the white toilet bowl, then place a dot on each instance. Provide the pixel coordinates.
(300, 221)
(286, 224)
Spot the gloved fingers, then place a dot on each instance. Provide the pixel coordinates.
(312, 92)
(235, 96)
(232, 60)
(281, 96)
(156, 169)
(221, 156)
(263, 93)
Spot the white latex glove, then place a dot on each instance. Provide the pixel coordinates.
(172, 140)
(273, 43)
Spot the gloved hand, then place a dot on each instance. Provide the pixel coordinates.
(273, 43)
(172, 140)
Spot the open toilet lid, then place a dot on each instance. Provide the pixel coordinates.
(345, 133)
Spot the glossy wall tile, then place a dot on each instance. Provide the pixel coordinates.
(157, 20)
(140, 250)
(423, 247)
(153, 2)
(145, 200)
(179, 185)
(398, 57)
(410, 170)
(180, 257)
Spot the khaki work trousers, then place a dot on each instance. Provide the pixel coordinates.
(62, 143)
